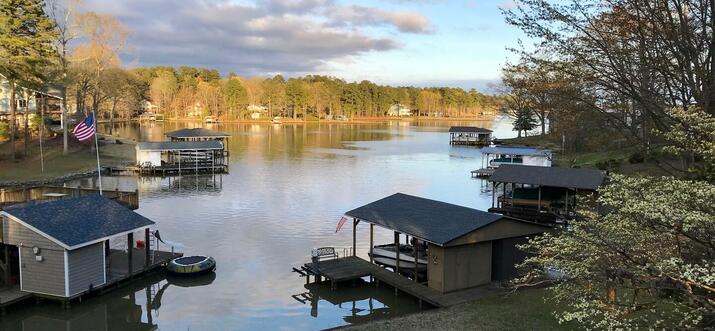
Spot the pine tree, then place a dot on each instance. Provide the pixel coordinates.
(524, 121)
(26, 36)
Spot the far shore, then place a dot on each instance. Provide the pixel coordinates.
(356, 120)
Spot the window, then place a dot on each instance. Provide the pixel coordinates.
(21, 103)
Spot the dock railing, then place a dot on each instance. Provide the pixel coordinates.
(10, 196)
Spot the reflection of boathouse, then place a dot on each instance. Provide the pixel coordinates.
(60, 249)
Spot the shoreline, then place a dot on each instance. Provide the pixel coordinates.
(358, 120)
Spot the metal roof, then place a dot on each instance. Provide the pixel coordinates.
(469, 129)
(524, 151)
(179, 145)
(586, 179)
(196, 133)
(77, 222)
(435, 221)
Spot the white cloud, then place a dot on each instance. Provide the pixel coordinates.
(287, 36)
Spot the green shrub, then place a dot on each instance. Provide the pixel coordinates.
(4, 130)
(636, 157)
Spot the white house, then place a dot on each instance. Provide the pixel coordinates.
(399, 110)
(257, 111)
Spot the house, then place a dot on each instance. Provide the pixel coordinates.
(30, 100)
(466, 247)
(469, 135)
(257, 111)
(60, 249)
(148, 107)
(496, 156)
(399, 110)
(544, 194)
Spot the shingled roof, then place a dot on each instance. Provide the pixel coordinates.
(76, 222)
(179, 145)
(457, 129)
(196, 133)
(585, 179)
(435, 221)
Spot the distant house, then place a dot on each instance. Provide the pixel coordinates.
(257, 111)
(399, 110)
(49, 95)
(148, 107)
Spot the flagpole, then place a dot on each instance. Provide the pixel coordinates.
(96, 147)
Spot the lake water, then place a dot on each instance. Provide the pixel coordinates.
(288, 186)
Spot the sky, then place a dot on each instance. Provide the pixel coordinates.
(461, 43)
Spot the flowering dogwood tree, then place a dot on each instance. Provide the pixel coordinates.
(648, 261)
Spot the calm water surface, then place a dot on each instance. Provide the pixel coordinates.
(287, 188)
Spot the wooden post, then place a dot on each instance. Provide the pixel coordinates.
(130, 251)
(539, 202)
(494, 189)
(372, 227)
(147, 248)
(6, 278)
(355, 222)
(566, 203)
(416, 251)
(503, 195)
(397, 252)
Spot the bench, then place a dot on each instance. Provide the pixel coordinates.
(323, 253)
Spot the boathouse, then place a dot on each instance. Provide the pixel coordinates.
(469, 135)
(493, 157)
(465, 247)
(545, 194)
(196, 134)
(171, 156)
(60, 249)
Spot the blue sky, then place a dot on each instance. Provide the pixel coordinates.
(467, 48)
(399, 42)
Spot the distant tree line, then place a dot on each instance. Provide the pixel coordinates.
(184, 90)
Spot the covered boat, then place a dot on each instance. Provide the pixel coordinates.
(191, 265)
(386, 255)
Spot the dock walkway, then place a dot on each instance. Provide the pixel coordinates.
(351, 267)
(481, 173)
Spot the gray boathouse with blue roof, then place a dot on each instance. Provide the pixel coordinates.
(466, 247)
(60, 248)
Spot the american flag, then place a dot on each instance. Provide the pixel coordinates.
(85, 129)
(341, 222)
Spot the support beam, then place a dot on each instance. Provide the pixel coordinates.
(397, 252)
(372, 229)
(130, 252)
(355, 222)
(147, 248)
(539, 202)
(416, 252)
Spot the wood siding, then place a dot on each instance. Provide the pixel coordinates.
(46, 276)
(504, 228)
(85, 266)
(459, 267)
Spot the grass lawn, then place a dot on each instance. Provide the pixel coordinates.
(80, 158)
(523, 310)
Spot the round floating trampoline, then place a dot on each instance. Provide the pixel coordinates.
(191, 265)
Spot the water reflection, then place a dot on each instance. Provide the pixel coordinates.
(357, 303)
(133, 306)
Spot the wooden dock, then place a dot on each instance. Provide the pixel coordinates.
(170, 170)
(11, 294)
(482, 173)
(351, 267)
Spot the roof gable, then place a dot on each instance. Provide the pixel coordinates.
(75, 222)
(179, 145)
(469, 129)
(435, 221)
